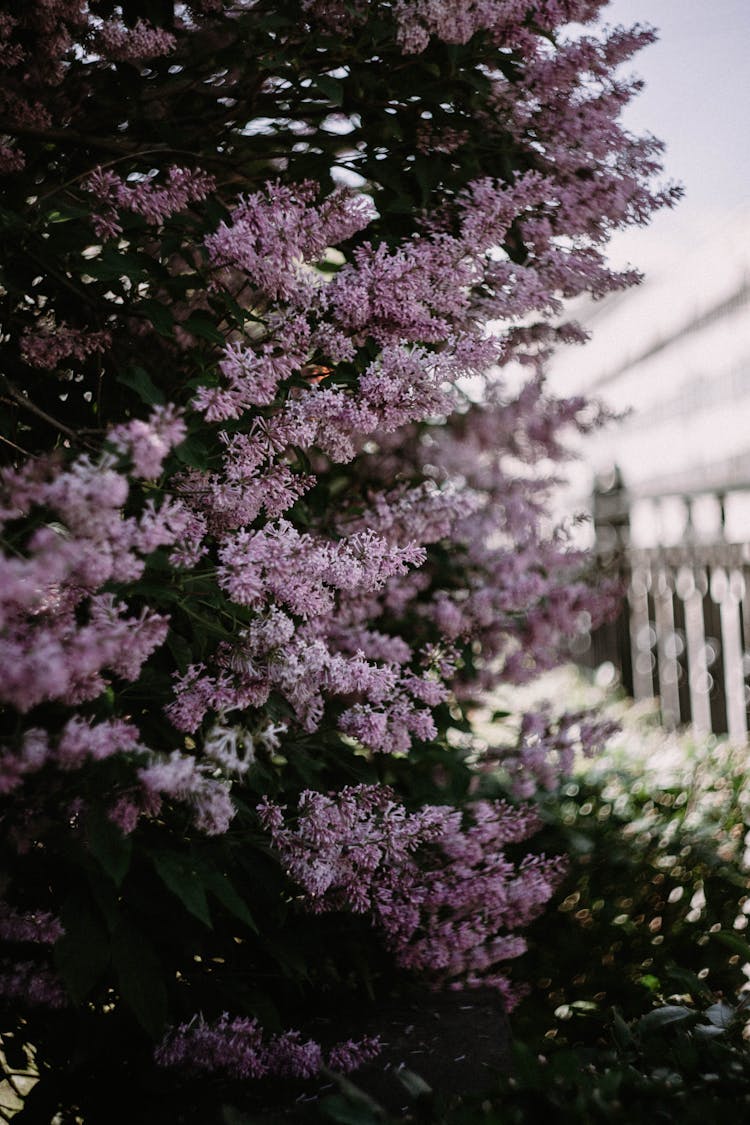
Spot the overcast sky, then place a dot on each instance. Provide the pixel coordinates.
(697, 99)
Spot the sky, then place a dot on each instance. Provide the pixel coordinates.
(690, 404)
(696, 99)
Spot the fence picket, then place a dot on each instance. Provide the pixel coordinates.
(684, 634)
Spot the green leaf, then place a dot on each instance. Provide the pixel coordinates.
(339, 1108)
(108, 845)
(220, 886)
(620, 1031)
(204, 329)
(479, 81)
(669, 1015)
(353, 1105)
(181, 875)
(181, 650)
(331, 87)
(140, 977)
(709, 1031)
(140, 381)
(82, 954)
(192, 452)
(733, 942)
(160, 317)
(413, 1083)
(105, 895)
(721, 1014)
(687, 981)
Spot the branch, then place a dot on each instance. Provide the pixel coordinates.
(13, 445)
(110, 144)
(19, 398)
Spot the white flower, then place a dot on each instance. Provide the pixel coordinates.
(231, 747)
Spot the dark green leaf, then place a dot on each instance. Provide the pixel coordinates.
(733, 942)
(82, 953)
(180, 874)
(709, 1031)
(192, 452)
(110, 847)
(180, 649)
(220, 886)
(355, 1106)
(140, 381)
(667, 1016)
(413, 1083)
(204, 328)
(140, 977)
(331, 87)
(339, 1108)
(720, 1014)
(105, 894)
(159, 317)
(621, 1031)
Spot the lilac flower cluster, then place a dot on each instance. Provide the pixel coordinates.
(60, 630)
(366, 545)
(419, 20)
(154, 203)
(49, 344)
(181, 777)
(522, 601)
(38, 926)
(238, 1047)
(442, 891)
(143, 41)
(31, 984)
(520, 592)
(177, 776)
(149, 442)
(297, 663)
(547, 748)
(279, 566)
(275, 234)
(79, 742)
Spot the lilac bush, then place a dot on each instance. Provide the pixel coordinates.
(273, 519)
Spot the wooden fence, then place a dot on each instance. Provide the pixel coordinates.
(683, 636)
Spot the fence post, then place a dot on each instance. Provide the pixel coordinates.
(611, 515)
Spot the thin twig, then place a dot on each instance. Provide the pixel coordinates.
(13, 445)
(20, 399)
